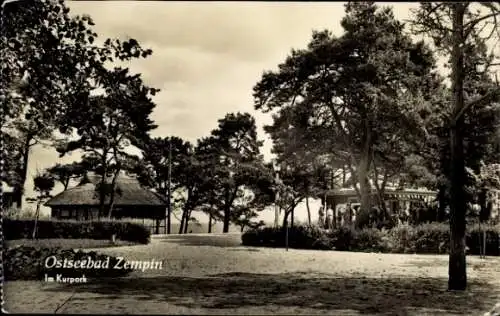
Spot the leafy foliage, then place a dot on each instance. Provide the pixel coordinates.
(50, 62)
(42, 48)
(240, 182)
(22, 229)
(64, 173)
(43, 184)
(301, 237)
(113, 122)
(348, 96)
(425, 238)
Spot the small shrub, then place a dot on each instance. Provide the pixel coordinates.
(250, 238)
(342, 238)
(428, 238)
(399, 237)
(475, 241)
(424, 238)
(308, 237)
(370, 240)
(28, 263)
(264, 237)
(22, 229)
(435, 238)
(431, 238)
(300, 237)
(67, 243)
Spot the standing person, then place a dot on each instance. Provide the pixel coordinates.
(321, 216)
(328, 219)
(348, 214)
(354, 214)
(340, 216)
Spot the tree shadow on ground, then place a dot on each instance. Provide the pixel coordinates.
(394, 296)
(206, 240)
(431, 262)
(246, 249)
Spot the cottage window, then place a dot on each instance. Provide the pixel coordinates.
(94, 214)
(64, 214)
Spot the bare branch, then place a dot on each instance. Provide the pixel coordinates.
(470, 26)
(491, 96)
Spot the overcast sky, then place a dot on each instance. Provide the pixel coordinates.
(207, 56)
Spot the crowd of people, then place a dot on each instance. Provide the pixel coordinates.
(378, 217)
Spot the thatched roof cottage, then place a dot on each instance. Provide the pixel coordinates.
(131, 200)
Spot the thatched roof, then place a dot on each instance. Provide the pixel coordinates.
(129, 193)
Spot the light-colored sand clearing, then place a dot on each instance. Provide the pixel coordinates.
(214, 275)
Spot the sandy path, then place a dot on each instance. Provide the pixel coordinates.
(214, 275)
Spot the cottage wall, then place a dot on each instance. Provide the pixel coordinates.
(92, 213)
(8, 200)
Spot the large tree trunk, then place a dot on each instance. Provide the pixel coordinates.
(285, 218)
(209, 223)
(186, 222)
(457, 264)
(102, 192)
(112, 194)
(19, 189)
(292, 219)
(66, 183)
(363, 172)
(225, 228)
(183, 221)
(308, 211)
(365, 190)
(169, 212)
(285, 226)
(185, 213)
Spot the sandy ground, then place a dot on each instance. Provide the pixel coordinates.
(214, 275)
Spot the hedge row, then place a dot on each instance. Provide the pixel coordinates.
(29, 263)
(22, 229)
(424, 239)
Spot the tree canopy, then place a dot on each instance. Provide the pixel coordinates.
(50, 62)
(349, 95)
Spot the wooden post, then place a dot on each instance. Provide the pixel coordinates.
(36, 219)
(169, 211)
(484, 243)
(286, 236)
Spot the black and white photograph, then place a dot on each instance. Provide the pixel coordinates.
(250, 157)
